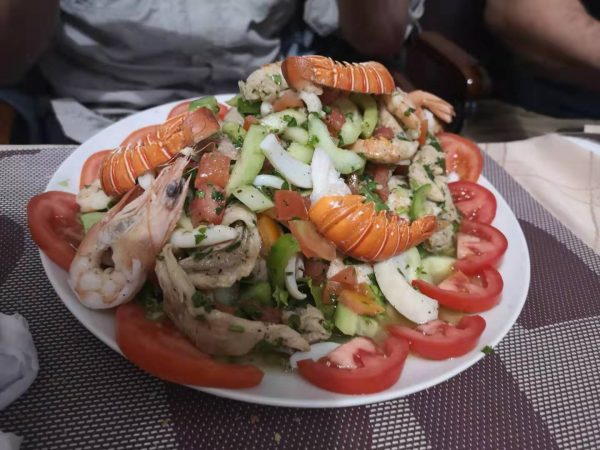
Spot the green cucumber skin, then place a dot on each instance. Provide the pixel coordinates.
(301, 152)
(296, 134)
(352, 324)
(370, 114)
(351, 128)
(235, 132)
(417, 208)
(251, 159)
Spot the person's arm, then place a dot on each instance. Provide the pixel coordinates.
(557, 36)
(374, 28)
(26, 28)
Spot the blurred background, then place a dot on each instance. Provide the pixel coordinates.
(513, 69)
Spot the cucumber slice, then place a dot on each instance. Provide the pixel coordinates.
(254, 199)
(235, 132)
(417, 207)
(345, 161)
(251, 159)
(88, 220)
(301, 152)
(437, 268)
(296, 134)
(351, 128)
(370, 115)
(281, 120)
(352, 324)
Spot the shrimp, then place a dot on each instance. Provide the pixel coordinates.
(132, 234)
(410, 108)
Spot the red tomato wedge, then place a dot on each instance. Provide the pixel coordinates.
(478, 245)
(208, 206)
(213, 169)
(473, 201)
(138, 135)
(161, 350)
(91, 168)
(290, 205)
(311, 242)
(474, 294)
(223, 110)
(374, 371)
(53, 219)
(345, 276)
(440, 340)
(462, 156)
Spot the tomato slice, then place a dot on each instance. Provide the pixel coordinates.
(213, 168)
(311, 242)
(345, 276)
(91, 168)
(462, 156)
(161, 350)
(290, 205)
(478, 245)
(440, 340)
(53, 219)
(374, 371)
(474, 202)
(474, 294)
(208, 206)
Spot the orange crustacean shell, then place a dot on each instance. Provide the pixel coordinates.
(121, 168)
(359, 231)
(367, 77)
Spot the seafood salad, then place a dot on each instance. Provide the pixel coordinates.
(315, 205)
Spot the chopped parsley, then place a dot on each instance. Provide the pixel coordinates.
(294, 322)
(368, 188)
(428, 171)
(202, 254)
(200, 300)
(236, 328)
(200, 236)
(277, 79)
(217, 195)
(409, 111)
(151, 300)
(200, 193)
(290, 120)
(326, 109)
(313, 140)
(487, 350)
(233, 246)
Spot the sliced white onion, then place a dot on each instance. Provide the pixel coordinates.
(266, 108)
(216, 234)
(325, 179)
(311, 100)
(187, 151)
(92, 198)
(290, 279)
(268, 181)
(146, 179)
(294, 171)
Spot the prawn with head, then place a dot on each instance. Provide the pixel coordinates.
(132, 234)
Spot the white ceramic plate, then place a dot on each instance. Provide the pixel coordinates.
(289, 389)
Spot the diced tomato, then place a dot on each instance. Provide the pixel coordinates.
(331, 292)
(288, 99)
(345, 276)
(329, 95)
(474, 294)
(473, 201)
(311, 242)
(374, 371)
(161, 350)
(381, 175)
(316, 269)
(208, 206)
(462, 156)
(383, 132)
(440, 340)
(290, 205)
(248, 121)
(213, 168)
(478, 245)
(53, 219)
(138, 135)
(360, 302)
(91, 168)
(223, 110)
(335, 121)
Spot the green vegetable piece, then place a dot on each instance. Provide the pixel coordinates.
(248, 107)
(251, 159)
(487, 350)
(417, 207)
(150, 299)
(88, 220)
(205, 102)
(284, 248)
(345, 161)
(301, 152)
(235, 132)
(352, 324)
(259, 292)
(253, 198)
(368, 189)
(352, 127)
(296, 134)
(316, 291)
(280, 121)
(233, 101)
(370, 115)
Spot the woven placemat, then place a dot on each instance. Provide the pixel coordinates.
(538, 390)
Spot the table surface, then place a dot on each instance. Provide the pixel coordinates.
(539, 389)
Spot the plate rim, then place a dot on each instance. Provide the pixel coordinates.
(340, 401)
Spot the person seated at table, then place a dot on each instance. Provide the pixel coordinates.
(118, 56)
